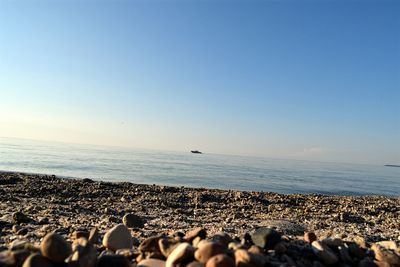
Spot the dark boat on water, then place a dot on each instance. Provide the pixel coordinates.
(391, 165)
(196, 152)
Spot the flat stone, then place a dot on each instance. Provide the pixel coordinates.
(118, 237)
(131, 220)
(19, 217)
(55, 247)
(266, 238)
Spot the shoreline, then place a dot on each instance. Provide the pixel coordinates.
(68, 205)
(344, 193)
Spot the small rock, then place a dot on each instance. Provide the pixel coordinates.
(266, 238)
(19, 217)
(94, 236)
(220, 260)
(222, 238)
(151, 263)
(310, 237)
(85, 253)
(7, 259)
(181, 254)
(324, 253)
(117, 237)
(79, 233)
(18, 244)
(150, 244)
(132, 221)
(44, 220)
(205, 252)
(167, 245)
(55, 247)
(16, 228)
(244, 258)
(385, 255)
(22, 231)
(20, 256)
(256, 250)
(197, 232)
(37, 260)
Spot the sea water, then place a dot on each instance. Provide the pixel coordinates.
(197, 170)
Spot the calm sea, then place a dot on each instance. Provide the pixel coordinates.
(193, 170)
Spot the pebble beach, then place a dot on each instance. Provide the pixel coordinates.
(51, 221)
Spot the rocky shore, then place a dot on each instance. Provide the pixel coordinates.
(48, 221)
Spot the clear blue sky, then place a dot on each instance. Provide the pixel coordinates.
(313, 80)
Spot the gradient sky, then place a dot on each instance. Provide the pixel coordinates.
(315, 80)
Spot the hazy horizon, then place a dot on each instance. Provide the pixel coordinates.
(308, 80)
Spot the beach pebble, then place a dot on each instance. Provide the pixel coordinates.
(151, 263)
(385, 255)
(167, 245)
(18, 244)
(324, 253)
(197, 232)
(113, 261)
(85, 253)
(131, 220)
(244, 258)
(20, 256)
(37, 260)
(266, 238)
(117, 237)
(55, 247)
(206, 251)
(222, 238)
(309, 237)
(94, 236)
(150, 244)
(16, 228)
(80, 233)
(220, 260)
(7, 258)
(256, 249)
(19, 217)
(182, 253)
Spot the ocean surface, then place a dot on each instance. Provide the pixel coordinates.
(194, 170)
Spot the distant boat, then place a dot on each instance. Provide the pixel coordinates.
(196, 152)
(391, 165)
